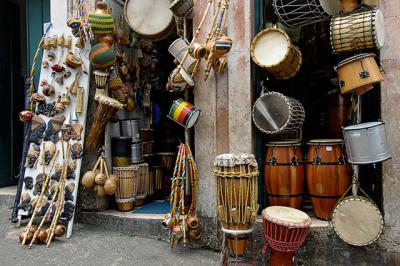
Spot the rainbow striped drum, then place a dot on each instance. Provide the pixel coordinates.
(184, 113)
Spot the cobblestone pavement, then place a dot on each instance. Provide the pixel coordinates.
(93, 246)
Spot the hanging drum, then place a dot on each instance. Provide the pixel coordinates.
(184, 113)
(178, 49)
(358, 73)
(296, 13)
(357, 31)
(366, 143)
(152, 19)
(272, 49)
(328, 175)
(357, 220)
(284, 173)
(276, 113)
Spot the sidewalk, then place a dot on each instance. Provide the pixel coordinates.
(93, 246)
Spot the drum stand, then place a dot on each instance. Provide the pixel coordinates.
(226, 259)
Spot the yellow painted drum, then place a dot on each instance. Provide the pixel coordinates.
(184, 113)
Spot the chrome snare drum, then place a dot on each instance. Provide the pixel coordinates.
(366, 143)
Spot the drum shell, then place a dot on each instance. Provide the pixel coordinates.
(136, 153)
(126, 188)
(284, 179)
(326, 182)
(289, 66)
(366, 145)
(130, 128)
(337, 114)
(181, 8)
(146, 134)
(358, 73)
(178, 49)
(184, 113)
(148, 147)
(142, 183)
(356, 32)
(120, 151)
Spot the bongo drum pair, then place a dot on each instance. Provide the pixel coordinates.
(236, 183)
(285, 230)
(273, 50)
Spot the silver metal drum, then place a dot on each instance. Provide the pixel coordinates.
(130, 128)
(366, 143)
(276, 113)
(136, 152)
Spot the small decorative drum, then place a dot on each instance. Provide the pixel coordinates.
(272, 49)
(357, 31)
(328, 175)
(366, 143)
(276, 113)
(178, 49)
(181, 8)
(359, 73)
(285, 230)
(102, 56)
(142, 183)
(357, 221)
(284, 173)
(130, 128)
(296, 13)
(126, 188)
(152, 19)
(100, 78)
(120, 151)
(184, 113)
(236, 185)
(136, 152)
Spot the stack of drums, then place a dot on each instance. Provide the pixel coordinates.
(146, 135)
(284, 173)
(236, 183)
(130, 128)
(328, 174)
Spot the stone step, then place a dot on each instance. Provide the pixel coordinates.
(7, 196)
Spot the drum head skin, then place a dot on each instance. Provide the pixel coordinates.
(357, 221)
(379, 29)
(325, 141)
(331, 7)
(286, 143)
(363, 126)
(286, 215)
(193, 118)
(270, 112)
(148, 18)
(269, 48)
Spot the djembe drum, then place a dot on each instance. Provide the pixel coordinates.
(296, 13)
(285, 230)
(284, 173)
(236, 183)
(142, 182)
(273, 50)
(357, 31)
(126, 189)
(328, 175)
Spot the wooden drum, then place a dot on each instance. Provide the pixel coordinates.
(357, 31)
(126, 189)
(142, 182)
(272, 49)
(328, 175)
(236, 183)
(284, 173)
(285, 230)
(358, 73)
(152, 19)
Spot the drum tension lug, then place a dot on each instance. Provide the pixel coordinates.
(294, 161)
(341, 159)
(273, 160)
(364, 74)
(317, 160)
(342, 83)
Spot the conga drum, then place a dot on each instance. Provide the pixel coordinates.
(236, 183)
(328, 175)
(296, 13)
(126, 189)
(273, 50)
(285, 230)
(152, 19)
(357, 31)
(142, 183)
(337, 113)
(358, 73)
(284, 173)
